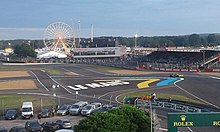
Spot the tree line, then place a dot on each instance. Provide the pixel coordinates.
(193, 40)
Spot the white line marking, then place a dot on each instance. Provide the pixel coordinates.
(190, 129)
(73, 73)
(36, 94)
(76, 89)
(39, 81)
(95, 71)
(215, 77)
(103, 95)
(195, 95)
(163, 129)
(60, 85)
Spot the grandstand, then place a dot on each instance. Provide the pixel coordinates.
(177, 59)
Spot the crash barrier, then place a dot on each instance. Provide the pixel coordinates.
(170, 104)
(178, 107)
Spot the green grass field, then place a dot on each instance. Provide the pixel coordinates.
(53, 71)
(106, 68)
(160, 95)
(15, 101)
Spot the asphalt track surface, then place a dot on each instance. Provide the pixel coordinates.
(86, 77)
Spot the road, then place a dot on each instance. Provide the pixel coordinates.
(95, 84)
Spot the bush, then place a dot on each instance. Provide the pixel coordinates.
(122, 119)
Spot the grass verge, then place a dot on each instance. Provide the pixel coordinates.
(15, 101)
(54, 71)
(106, 68)
(160, 95)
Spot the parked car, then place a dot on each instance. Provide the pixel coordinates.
(97, 105)
(2, 129)
(50, 126)
(103, 109)
(27, 110)
(87, 110)
(11, 114)
(63, 110)
(45, 113)
(64, 123)
(65, 130)
(33, 126)
(76, 108)
(18, 129)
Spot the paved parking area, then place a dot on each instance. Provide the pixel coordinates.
(10, 123)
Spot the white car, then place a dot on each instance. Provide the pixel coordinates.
(88, 109)
(97, 105)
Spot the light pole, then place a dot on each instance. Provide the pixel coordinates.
(135, 40)
(79, 34)
(77, 92)
(203, 53)
(110, 101)
(151, 117)
(74, 36)
(29, 42)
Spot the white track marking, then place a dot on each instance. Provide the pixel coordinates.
(60, 85)
(73, 73)
(35, 94)
(76, 89)
(39, 81)
(95, 71)
(215, 77)
(195, 96)
(190, 129)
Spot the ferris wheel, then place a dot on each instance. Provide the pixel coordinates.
(58, 36)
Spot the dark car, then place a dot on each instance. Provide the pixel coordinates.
(3, 129)
(11, 114)
(103, 109)
(100, 110)
(33, 126)
(17, 129)
(45, 113)
(50, 126)
(64, 123)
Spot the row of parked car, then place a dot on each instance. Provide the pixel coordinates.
(80, 108)
(63, 125)
(83, 108)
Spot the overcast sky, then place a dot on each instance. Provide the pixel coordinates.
(28, 18)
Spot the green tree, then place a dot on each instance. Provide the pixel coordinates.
(211, 39)
(194, 40)
(24, 50)
(122, 119)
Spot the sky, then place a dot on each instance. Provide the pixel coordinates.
(27, 19)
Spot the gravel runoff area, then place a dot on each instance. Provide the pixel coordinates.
(16, 84)
(8, 74)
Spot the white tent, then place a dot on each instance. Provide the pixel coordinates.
(50, 54)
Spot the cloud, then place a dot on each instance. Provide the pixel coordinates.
(23, 29)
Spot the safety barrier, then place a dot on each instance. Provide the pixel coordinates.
(169, 105)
